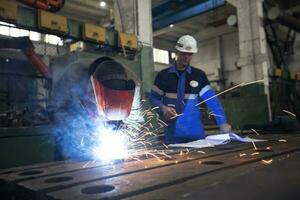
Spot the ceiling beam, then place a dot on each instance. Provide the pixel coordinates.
(182, 13)
(198, 22)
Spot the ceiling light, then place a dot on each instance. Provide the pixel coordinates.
(171, 25)
(102, 3)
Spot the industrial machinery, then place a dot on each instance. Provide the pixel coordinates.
(101, 92)
(25, 44)
(24, 95)
(26, 81)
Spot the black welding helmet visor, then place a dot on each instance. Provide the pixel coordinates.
(113, 91)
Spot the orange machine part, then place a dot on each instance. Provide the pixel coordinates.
(49, 5)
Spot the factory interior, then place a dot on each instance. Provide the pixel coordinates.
(149, 99)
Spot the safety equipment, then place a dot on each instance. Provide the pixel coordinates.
(187, 44)
(113, 91)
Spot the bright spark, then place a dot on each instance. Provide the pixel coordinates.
(176, 116)
(254, 131)
(110, 144)
(129, 142)
(212, 114)
(239, 85)
(86, 164)
(254, 145)
(155, 108)
(267, 161)
(162, 122)
(290, 113)
(282, 140)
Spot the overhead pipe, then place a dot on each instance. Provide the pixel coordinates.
(48, 5)
(275, 14)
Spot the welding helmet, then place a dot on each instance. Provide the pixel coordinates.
(114, 92)
(187, 44)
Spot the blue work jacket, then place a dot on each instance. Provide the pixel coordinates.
(183, 90)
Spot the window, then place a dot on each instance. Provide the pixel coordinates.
(53, 39)
(5, 28)
(10, 30)
(34, 36)
(16, 32)
(161, 56)
(23, 33)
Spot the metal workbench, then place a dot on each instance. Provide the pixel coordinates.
(232, 171)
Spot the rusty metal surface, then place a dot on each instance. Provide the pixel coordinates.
(232, 169)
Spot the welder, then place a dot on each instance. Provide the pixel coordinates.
(178, 92)
(87, 92)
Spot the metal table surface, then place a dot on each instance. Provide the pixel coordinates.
(232, 171)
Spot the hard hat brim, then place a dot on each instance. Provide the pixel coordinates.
(181, 49)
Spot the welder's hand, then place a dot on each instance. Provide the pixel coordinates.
(168, 112)
(225, 128)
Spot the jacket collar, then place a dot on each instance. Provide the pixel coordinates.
(173, 69)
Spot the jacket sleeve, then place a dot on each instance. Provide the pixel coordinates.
(156, 93)
(213, 103)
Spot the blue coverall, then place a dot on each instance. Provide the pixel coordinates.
(183, 90)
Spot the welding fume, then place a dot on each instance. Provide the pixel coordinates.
(91, 100)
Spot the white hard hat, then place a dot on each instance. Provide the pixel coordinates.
(186, 44)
